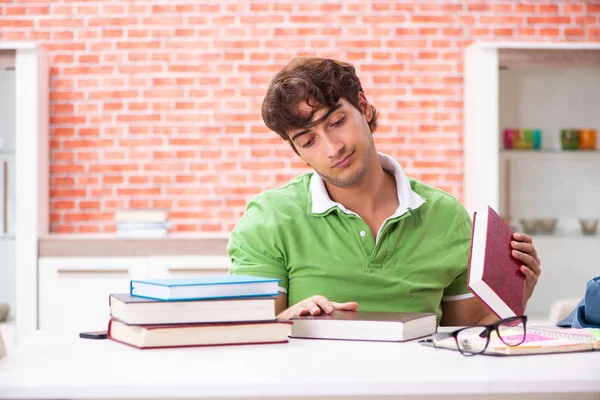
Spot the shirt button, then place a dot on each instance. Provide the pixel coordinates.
(363, 233)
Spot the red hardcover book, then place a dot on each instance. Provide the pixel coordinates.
(494, 274)
(192, 335)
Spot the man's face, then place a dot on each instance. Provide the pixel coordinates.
(339, 146)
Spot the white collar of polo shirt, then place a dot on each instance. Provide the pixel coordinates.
(407, 198)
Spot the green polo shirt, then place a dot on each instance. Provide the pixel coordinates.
(314, 246)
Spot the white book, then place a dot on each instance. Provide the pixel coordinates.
(142, 233)
(140, 226)
(133, 310)
(141, 215)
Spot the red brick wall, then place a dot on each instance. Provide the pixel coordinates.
(156, 104)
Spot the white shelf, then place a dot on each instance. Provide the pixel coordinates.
(536, 183)
(562, 236)
(549, 152)
(565, 230)
(582, 160)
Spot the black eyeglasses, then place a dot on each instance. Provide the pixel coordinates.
(473, 340)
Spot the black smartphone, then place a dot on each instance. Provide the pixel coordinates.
(94, 335)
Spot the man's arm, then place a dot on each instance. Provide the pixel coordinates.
(253, 246)
(471, 311)
(280, 303)
(253, 249)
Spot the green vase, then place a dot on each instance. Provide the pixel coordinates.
(569, 139)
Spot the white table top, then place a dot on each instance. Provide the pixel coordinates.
(51, 365)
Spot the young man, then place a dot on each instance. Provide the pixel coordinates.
(357, 231)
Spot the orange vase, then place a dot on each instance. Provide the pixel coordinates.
(587, 139)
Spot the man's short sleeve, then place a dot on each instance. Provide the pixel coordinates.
(459, 289)
(253, 246)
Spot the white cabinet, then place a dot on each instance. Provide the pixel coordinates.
(188, 266)
(548, 86)
(9, 336)
(23, 177)
(73, 292)
(7, 274)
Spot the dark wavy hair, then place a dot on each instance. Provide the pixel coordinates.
(317, 81)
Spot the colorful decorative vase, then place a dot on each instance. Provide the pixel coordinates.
(533, 138)
(569, 139)
(510, 137)
(587, 139)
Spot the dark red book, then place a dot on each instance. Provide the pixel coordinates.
(365, 325)
(494, 274)
(191, 335)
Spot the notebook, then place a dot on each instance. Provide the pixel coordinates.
(494, 274)
(206, 287)
(365, 325)
(537, 341)
(191, 335)
(142, 311)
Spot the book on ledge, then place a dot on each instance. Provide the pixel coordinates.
(365, 325)
(494, 274)
(206, 287)
(537, 341)
(192, 335)
(141, 215)
(141, 311)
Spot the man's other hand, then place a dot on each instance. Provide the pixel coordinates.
(314, 305)
(524, 251)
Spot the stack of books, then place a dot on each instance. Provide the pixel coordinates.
(206, 311)
(142, 223)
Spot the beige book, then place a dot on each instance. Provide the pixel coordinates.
(141, 215)
(2, 346)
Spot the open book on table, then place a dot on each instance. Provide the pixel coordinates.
(537, 341)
